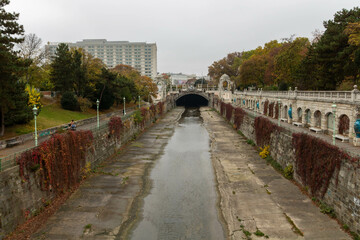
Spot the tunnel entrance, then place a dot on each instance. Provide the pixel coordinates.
(192, 100)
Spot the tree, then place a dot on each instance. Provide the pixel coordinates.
(62, 69)
(10, 65)
(330, 59)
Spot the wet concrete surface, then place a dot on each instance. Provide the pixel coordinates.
(182, 200)
(253, 196)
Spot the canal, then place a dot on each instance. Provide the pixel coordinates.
(182, 201)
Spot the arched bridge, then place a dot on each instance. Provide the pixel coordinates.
(192, 98)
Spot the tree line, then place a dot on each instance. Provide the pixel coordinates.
(80, 78)
(331, 61)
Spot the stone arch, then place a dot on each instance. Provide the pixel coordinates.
(299, 114)
(307, 116)
(329, 121)
(225, 78)
(317, 119)
(285, 111)
(344, 124)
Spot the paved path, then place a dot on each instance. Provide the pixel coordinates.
(253, 196)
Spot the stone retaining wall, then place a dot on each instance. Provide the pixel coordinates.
(343, 194)
(20, 199)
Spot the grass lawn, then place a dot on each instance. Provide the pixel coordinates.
(53, 115)
(50, 116)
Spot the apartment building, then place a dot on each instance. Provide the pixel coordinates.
(140, 55)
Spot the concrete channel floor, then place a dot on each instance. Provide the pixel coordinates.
(253, 196)
(106, 204)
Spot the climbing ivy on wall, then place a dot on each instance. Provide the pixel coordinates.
(263, 130)
(58, 161)
(239, 115)
(317, 161)
(160, 107)
(344, 123)
(115, 126)
(229, 111)
(152, 110)
(271, 109)
(222, 108)
(266, 106)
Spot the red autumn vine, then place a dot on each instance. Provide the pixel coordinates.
(58, 161)
(266, 106)
(263, 130)
(271, 109)
(344, 123)
(222, 108)
(316, 162)
(153, 110)
(277, 111)
(115, 126)
(239, 115)
(160, 106)
(229, 110)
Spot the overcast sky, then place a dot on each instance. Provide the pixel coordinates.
(190, 34)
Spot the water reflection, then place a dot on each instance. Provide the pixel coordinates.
(181, 204)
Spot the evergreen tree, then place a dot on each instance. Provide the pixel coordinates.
(330, 60)
(9, 62)
(62, 69)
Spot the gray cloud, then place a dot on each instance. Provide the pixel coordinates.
(190, 34)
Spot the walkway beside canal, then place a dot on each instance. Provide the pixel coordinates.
(254, 197)
(106, 203)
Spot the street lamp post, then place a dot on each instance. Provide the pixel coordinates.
(334, 130)
(35, 113)
(279, 102)
(124, 106)
(97, 113)
(139, 101)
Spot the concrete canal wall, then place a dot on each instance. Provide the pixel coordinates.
(20, 199)
(343, 193)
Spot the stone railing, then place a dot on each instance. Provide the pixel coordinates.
(327, 96)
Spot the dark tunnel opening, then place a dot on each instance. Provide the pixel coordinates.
(192, 100)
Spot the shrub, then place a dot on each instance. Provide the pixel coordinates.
(138, 118)
(84, 104)
(288, 171)
(68, 101)
(264, 152)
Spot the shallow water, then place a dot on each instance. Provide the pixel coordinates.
(182, 201)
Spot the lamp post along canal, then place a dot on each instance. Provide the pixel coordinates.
(124, 106)
(139, 101)
(334, 113)
(35, 113)
(97, 113)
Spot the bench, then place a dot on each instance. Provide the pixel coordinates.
(283, 119)
(342, 137)
(13, 142)
(315, 129)
(298, 124)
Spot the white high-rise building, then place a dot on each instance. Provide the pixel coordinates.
(140, 55)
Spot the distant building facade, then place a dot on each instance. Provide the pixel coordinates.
(179, 78)
(140, 55)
